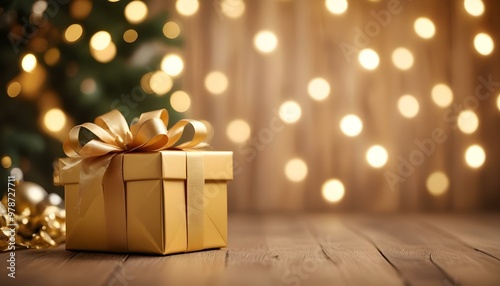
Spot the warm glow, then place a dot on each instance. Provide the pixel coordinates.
(39, 7)
(136, 12)
(442, 95)
(88, 86)
(28, 62)
(467, 121)
(402, 58)
(180, 101)
(238, 131)
(424, 28)
(484, 44)
(232, 8)
(498, 102)
(73, 33)
(474, 7)
(296, 170)
(100, 40)
(54, 120)
(265, 41)
(333, 191)
(13, 89)
(318, 89)
(475, 156)
(51, 56)
(171, 30)
(290, 112)
(377, 156)
(368, 59)
(106, 55)
(6, 162)
(130, 36)
(187, 7)
(172, 64)
(216, 82)
(160, 83)
(351, 125)
(408, 106)
(80, 9)
(437, 183)
(336, 6)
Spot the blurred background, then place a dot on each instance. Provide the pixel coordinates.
(357, 105)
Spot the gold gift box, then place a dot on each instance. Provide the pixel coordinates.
(158, 214)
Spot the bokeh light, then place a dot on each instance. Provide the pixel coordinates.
(290, 112)
(6, 162)
(333, 191)
(136, 12)
(73, 33)
(171, 30)
(160, 83)
(402, 58)
(377, 156)
(238, 131)
(100, 40)
(52, 56)
(265, 41)
(180, 101)
(318, 89)
(336, 6)
(232, 8)
(216, 82)
(54, 119)
(80, 9)
(351, 125)
(172, 64)
(296, 170)
(368, 59)
(437, 183)
(484, 44)
(187, 7)
(106, 55)
(475, 156)
(442, 95)
(29, 62)
(130, 36)
(88, 86)
(467, 121)
(408, 106)
(474, 7)
(424, 28)
(13, 89)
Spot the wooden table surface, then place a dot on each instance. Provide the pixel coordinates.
(296, 250)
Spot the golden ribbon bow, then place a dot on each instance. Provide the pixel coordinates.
(101, 159)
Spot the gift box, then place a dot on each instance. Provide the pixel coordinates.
(141, 199)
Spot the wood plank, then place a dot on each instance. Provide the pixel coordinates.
(480, 232)
(426, 257)
(59, 267)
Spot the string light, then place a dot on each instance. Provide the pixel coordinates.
(171, 30)
(402, 58)
(100, 40)
(467, 121)
(216, 82)
(484, 44)
(172, 64)
(336, 6)
(318, 89)
(232, 8)
(474, 7)
(290, 112)
(377, 156)
(437, 183)
(424, 28)
(136, 12)
(296, 170)
(187, 7)
(265, 41)
(54, 120)
(160, 83)
(351, 125)
(73, 33)
(29, 62)
(475, 156)
(238, 131)
(13, 89)
(368, 59)
(442, 95)
(408, 106)
(180, 101)
(130, 36)
(333, 191)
